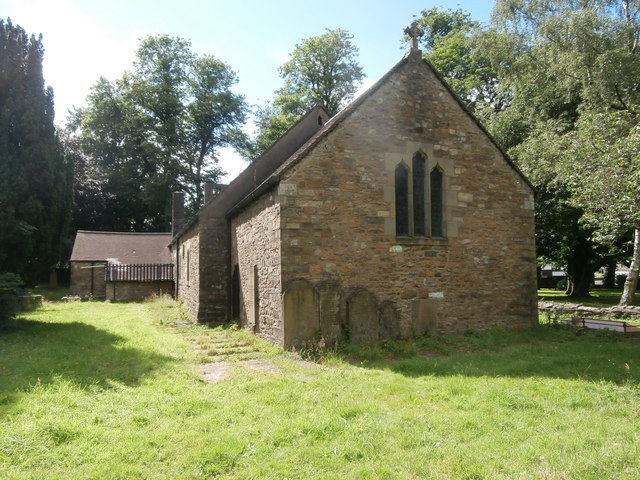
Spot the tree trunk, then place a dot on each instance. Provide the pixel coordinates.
(580, 273)
(582, 284)
(632, 279)
(609, 280)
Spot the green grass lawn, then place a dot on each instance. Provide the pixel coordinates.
(600, 297)
(110, 391)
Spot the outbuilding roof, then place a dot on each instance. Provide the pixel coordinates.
(122, 247)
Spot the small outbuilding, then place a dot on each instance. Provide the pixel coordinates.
(121, 266)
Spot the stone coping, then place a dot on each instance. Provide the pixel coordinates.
(579, 308)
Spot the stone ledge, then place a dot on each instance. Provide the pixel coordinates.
(28, 303)
(420, 241)
(611, 312)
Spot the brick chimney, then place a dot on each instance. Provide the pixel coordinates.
(177, 212)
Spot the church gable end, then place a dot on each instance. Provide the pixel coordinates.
(406, 196)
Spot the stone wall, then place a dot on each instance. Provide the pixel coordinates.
(338, 214)
(255, 237)
(214, 274)
(136, 291)
(87, 279)
(185, 254)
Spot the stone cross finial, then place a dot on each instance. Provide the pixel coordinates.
(414, 32)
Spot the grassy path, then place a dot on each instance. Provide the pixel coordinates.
(112, 391)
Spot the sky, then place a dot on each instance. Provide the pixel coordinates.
(87, 39)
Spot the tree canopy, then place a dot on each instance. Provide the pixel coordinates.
(155, 130)
(321, 70)
(557, 84)
(35, 178)
(577, 82)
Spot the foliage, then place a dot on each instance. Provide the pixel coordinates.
(600, 162)
(10, 288)
(570, 62)
(450, 43)
(559, 405)
(35, 179)
(153, 131)
(321, 70)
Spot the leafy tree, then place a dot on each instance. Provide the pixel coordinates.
(541, 68)
(35, 179)
(10, 288)
(322, 69)
(155, 130)
(450, 42)
(600, 162)
(574, 59)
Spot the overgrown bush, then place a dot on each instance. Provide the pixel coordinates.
(10, 288)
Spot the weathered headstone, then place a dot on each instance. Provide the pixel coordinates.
(329, 295)
(300, 314)
(362, 317)
(389, 321)
(424, 315)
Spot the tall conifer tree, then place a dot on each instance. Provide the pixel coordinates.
(35, 179)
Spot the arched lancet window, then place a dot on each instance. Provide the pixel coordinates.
(402, 199)
(436, 202)
(419, 208)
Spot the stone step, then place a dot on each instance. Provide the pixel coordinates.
(228, 343)
(241, 356)
(230, 350)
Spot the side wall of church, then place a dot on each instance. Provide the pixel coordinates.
(338, 217)
(255, 259)
(186, 255)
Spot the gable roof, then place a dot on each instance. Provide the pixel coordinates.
(121, 247)
(266, 171)
(336, 120)
(263, 166)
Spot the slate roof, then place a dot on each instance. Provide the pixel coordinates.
(266, 171)
(244, 185)
(122, 248)
(351, 107)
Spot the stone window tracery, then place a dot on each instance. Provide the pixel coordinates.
(436, 184)
(419, 199)
(402, 199)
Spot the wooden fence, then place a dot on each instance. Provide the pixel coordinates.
(138, 273)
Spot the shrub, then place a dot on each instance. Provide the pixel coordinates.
(10, 288)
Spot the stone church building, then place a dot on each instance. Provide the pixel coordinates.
(399, 216)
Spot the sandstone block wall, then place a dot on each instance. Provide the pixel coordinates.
(214, 269)
(136, 291)
(87, 279)
(255, 237)
(185, 255)
(338, 214)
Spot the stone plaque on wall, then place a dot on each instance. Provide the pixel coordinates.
(300, 314)
(362, 317)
